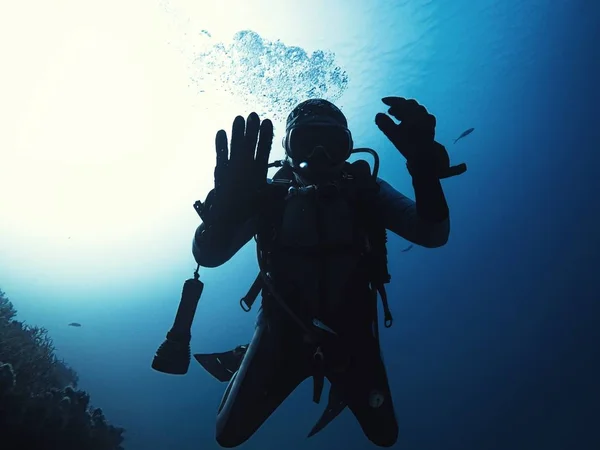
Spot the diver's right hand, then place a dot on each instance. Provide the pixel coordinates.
(240, 174)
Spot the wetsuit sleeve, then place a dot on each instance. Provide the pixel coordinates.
(216, 245)
(424, 222)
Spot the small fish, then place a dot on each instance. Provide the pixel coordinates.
(407, 248)
(464, 133)
(74, 324)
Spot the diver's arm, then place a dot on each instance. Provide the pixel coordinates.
(424, 222)
(216, 245)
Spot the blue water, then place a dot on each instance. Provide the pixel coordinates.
(496, 337)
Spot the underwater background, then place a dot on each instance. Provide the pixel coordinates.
(108, 117)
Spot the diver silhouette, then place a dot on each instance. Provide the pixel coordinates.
(320, 228)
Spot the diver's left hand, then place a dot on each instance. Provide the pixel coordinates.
(414, 138)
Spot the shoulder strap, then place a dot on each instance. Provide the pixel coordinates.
(364, 192)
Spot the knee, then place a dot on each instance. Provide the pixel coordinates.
(230, 432)
(385, 437)
(229, 440)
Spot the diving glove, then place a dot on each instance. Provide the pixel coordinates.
(240, 175)
(414, 138)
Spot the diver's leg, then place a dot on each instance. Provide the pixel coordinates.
(275, 363)
(367, 393)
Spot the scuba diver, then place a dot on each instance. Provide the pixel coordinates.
(320, 229)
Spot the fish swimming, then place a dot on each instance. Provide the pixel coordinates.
(464, 133)
(407, 248)
(74, 324)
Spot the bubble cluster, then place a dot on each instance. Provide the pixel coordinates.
(269, 76)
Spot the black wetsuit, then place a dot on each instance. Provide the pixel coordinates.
(332, 285)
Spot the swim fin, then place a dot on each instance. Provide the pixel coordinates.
(335, 405)
(222, 366)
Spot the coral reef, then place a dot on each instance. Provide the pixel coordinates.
(40, 405)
